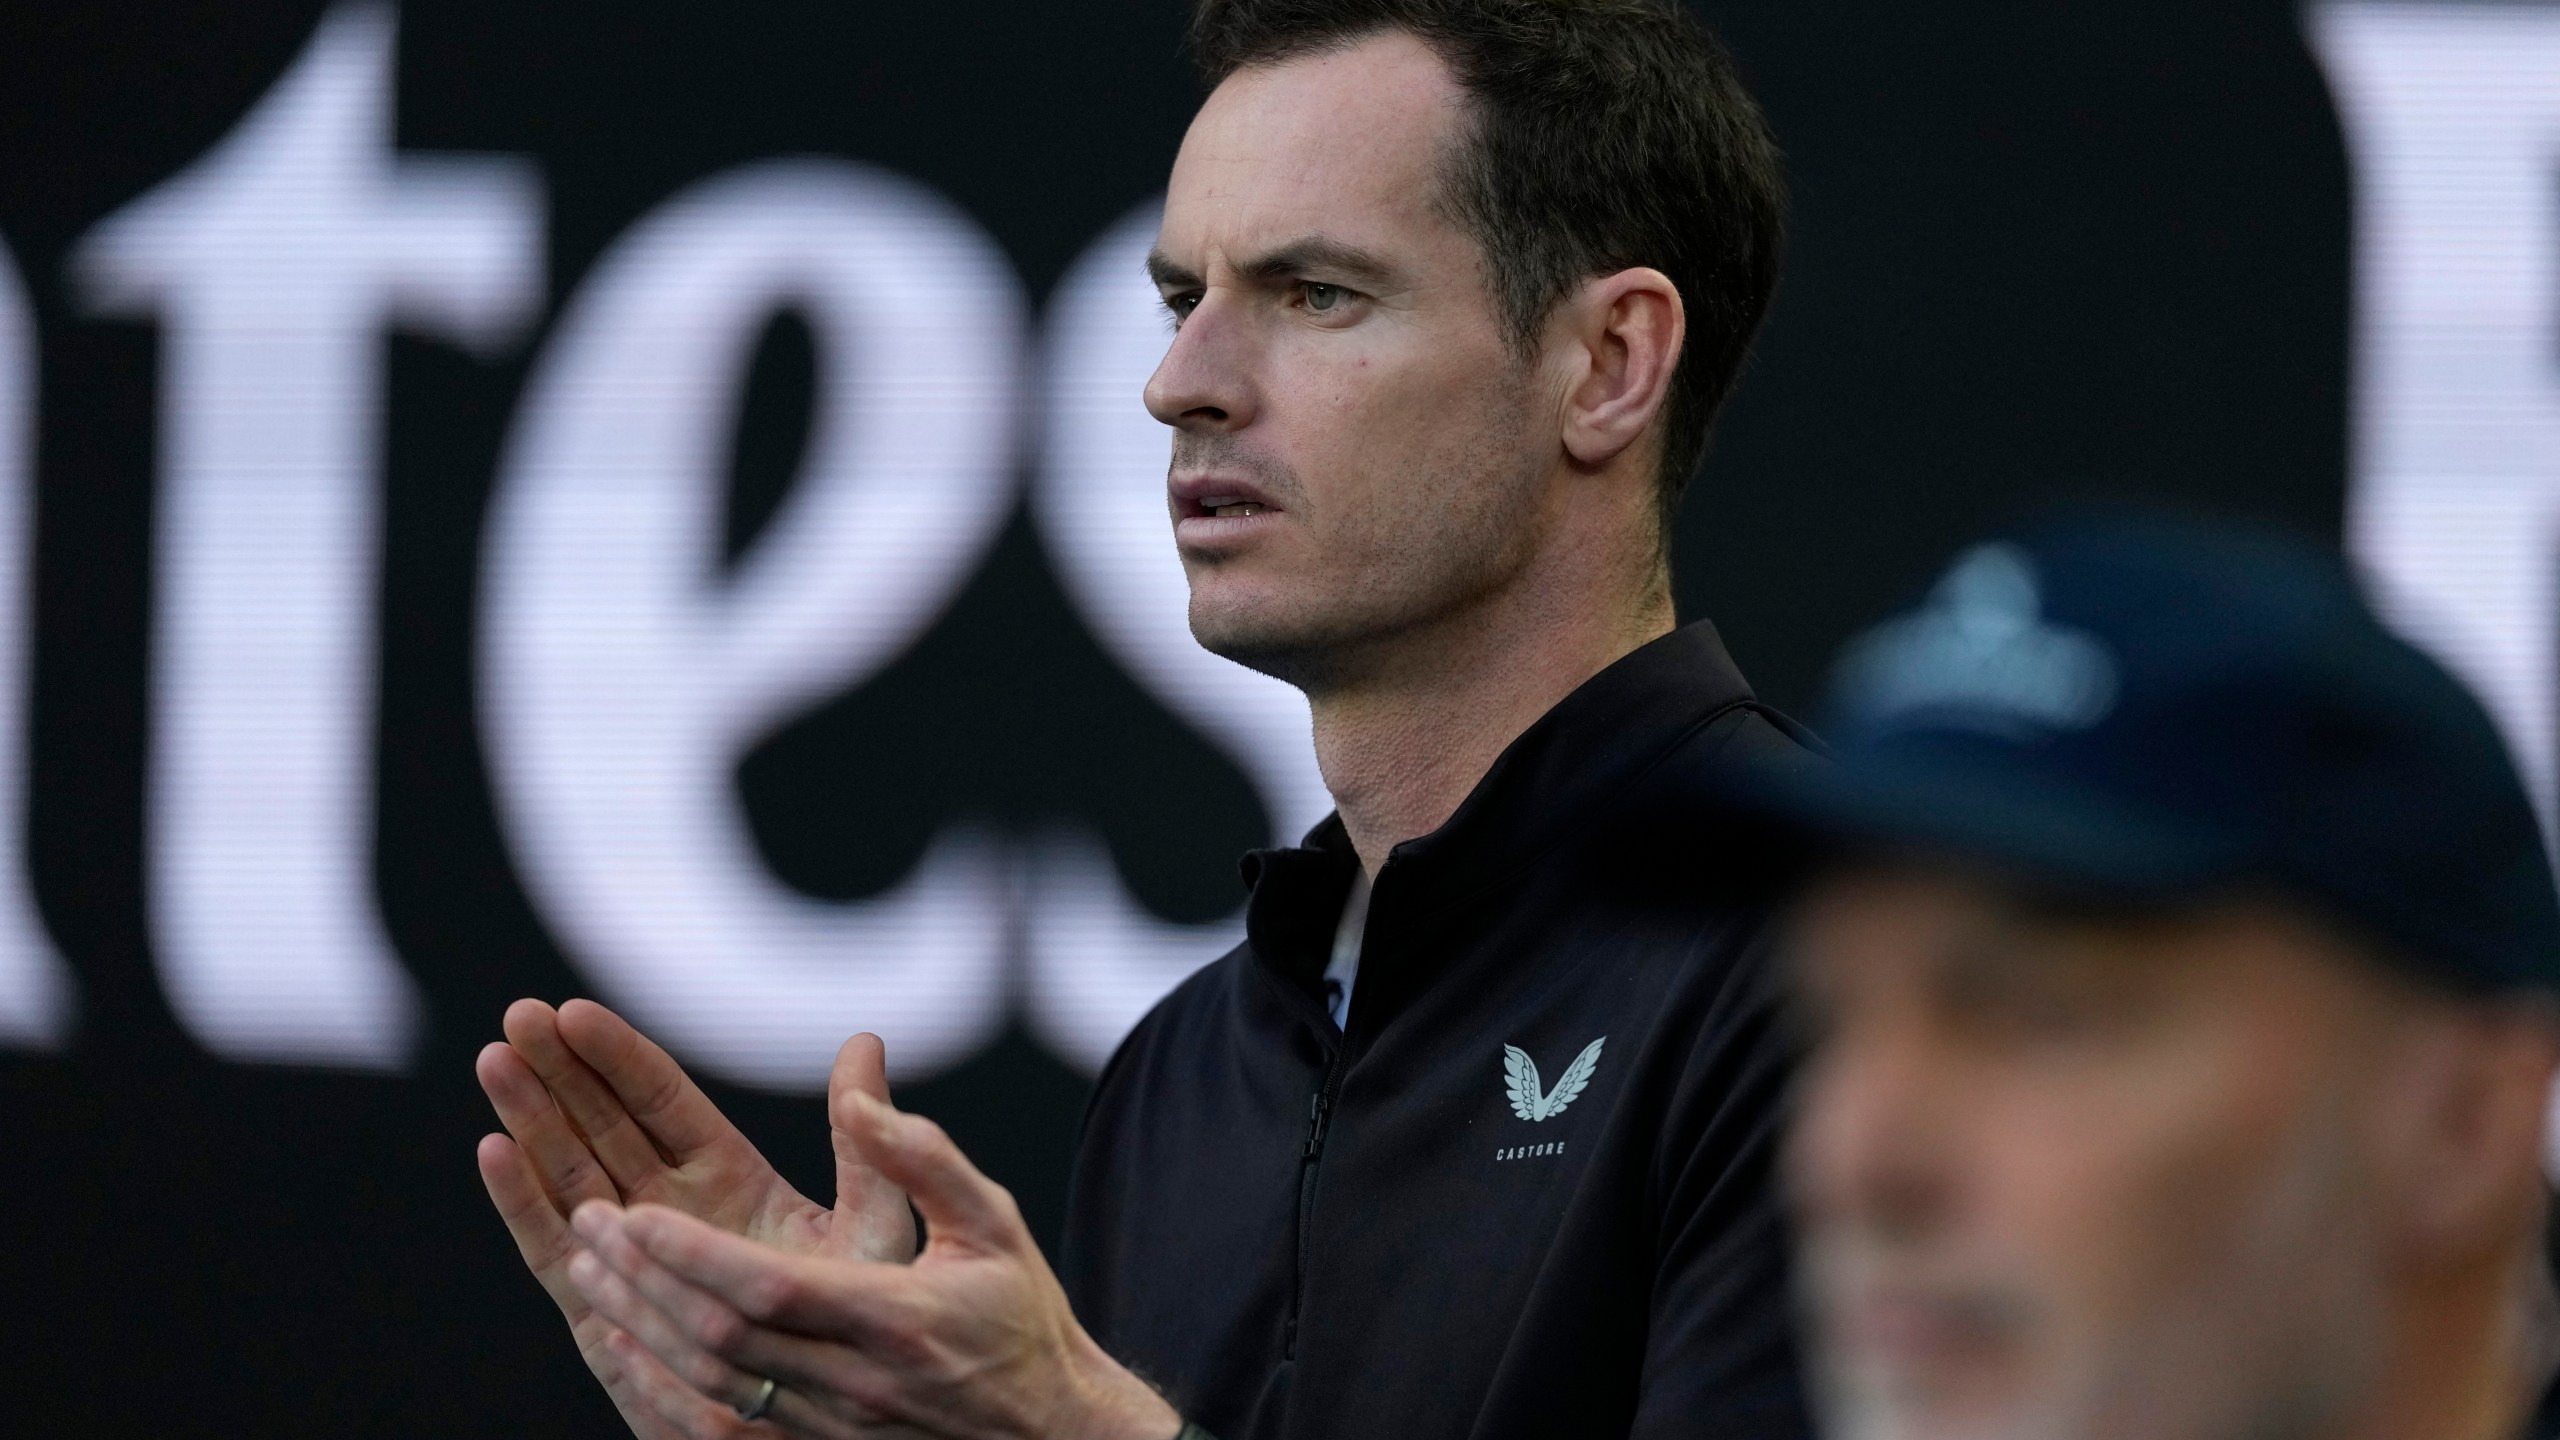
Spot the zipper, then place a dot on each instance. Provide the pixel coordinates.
(1310, 1154)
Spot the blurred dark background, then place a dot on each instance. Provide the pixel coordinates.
(2043, 249)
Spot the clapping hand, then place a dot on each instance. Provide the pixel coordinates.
(595, 1112)
(973, 1339)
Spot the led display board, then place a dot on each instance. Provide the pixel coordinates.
(653, 501)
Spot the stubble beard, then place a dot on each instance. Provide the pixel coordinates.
(1420, 549)
(1856, 1401)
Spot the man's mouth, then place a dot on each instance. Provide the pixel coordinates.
(1919, 1326)
(1208, 499)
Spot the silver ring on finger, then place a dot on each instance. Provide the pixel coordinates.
(757, 1408)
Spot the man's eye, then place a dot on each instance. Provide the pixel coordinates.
(1322, 298)
(1180, 307)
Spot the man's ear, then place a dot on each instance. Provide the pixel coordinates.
(1622, 334)
(2479, 1096)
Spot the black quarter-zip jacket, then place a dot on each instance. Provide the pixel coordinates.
(1407, 1229)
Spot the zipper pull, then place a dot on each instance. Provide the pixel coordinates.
(1315, 1126)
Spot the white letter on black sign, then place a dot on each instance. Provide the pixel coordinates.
(2452, 114)
(35, 990)
(273, 265)
(1098, 959)
(622, 678)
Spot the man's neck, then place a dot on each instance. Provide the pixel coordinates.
(1403, 745)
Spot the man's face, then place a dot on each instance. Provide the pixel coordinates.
(1357, 453)
(2068, 1176)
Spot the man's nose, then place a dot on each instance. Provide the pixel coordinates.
(1204, 380)
(1863, 1149)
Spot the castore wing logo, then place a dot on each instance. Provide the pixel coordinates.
(1520, 1081)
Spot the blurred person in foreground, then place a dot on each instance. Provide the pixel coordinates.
(1452, 1145)
(2181, 964)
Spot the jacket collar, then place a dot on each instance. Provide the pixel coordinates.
(1562, 775)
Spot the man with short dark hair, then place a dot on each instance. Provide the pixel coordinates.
(1456, 1143)
(2185, 973)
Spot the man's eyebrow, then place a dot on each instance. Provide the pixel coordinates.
(1317, 255)
(1168, 275)
(1296, 259)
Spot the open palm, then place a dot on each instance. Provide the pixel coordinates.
(595, 1111)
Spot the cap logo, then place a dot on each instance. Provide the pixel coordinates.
(1980, 656)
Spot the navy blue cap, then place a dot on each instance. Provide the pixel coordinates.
(2155, 710)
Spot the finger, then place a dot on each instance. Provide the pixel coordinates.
(543, 1238)
(541, 1234)
(857, 1300)
(628, 1382)
(870, 1208)
(862, 1064)
(647, 1085)
(621, 1298)
(958, 1203)
(716, 1349)
(683, 1410)
(821, 1387)
(590, 1103)
(559, 1156)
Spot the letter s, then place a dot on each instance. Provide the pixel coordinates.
(1099, 960)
